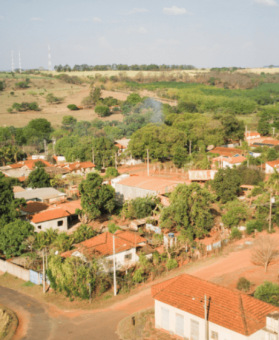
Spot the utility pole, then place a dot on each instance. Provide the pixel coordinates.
(114, 269)
(205, 317)
(190, 148)
(44, 281)
(273, 130)
(147, 162)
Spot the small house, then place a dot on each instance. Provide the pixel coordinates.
(56, 219)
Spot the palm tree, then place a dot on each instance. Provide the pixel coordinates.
(273, 183)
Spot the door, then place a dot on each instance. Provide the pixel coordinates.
(165, 319)
(194, 334)
(179, 325)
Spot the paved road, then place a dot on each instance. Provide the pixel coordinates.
(36, 322)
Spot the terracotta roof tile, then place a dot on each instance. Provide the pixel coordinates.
(79, 165)
(230, 309)
(271, 141)
(103, 243)
(49, 215)
(228, 152)
(273, 164)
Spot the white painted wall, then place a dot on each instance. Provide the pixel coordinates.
(269, 169)
(223, 333)
(229, 165)
(118, 179)
(52, 224)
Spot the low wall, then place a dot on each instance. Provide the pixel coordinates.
(15, 270)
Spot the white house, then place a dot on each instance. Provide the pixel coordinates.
(232, 161)
(127, 248)
(56, 219)
(118, 179)
(195, 309)
(271, 167)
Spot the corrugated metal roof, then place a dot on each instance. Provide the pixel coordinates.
(148, 183)
(41, 193)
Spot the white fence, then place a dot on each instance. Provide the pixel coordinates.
(13, 269)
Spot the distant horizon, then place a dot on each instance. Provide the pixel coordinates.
(203, 33)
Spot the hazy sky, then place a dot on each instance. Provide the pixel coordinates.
(203, 33)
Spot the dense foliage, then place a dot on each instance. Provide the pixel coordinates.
(268, 292)
(226, 184)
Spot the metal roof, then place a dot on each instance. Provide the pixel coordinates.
(41, 193)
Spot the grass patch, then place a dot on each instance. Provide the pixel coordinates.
(28, 284)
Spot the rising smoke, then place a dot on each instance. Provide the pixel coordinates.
(156, 107)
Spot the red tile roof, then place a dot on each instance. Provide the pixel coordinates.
(273, 164)
(230, 309)
(70, 207)
(252, 134)
(79, 165)
(49, 215)
(103, 244)
(30, 163)
(271, 141)
(235, 160)
(228, 152)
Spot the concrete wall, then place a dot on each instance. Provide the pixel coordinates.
(15, 270)
(223, 333)
(124, 192)
(51, 224)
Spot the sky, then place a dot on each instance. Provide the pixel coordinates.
(203, 33)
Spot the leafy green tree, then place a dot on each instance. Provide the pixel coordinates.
(72, 107)
(50, 98)
(263, 126)
(189, 210)
(226, 184)
(233, 128)
(38, 178)
(236, 212)
(12, 237)
(102, 110)
(268, 292)
(251, 175)
(84, 232)
(68, 123)
(39, 164)
(96, 198)
(140, 207)
(111, 172)
(9, 206)
(243, 284)
(134, 99)
(179, 156)
(112, 227)
(272, 155)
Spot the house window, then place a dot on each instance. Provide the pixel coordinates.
(128, 257)
(60, 223)
(39, 227)
(214, 335)
(194, 332)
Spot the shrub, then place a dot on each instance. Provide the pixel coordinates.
(72, 107)
(28, 284)
(102, 110)
(22, 85)
(268, 292)
(138, 275)
(171, 264)
(235, 234)
(256, 191)
(111, 172)
(116, 108)
(112, 227)
(50, 98)
(34, 106)
(10, 110)
(252, 225)
(134, 99)
(243, 284)
(12, 93)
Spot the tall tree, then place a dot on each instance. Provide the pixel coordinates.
(96, 198)
(9, 206)
(38, 178)
(189, 210)
(226, 184)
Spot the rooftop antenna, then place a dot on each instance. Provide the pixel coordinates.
(13, 70)
(49, 60)
(19, 62)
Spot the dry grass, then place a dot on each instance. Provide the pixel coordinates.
(260, 70)
(8, 323)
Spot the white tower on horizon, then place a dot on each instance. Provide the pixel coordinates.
(13, 61)
(19, 62)
(49, 60)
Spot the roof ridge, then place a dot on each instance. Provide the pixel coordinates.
(242, 314)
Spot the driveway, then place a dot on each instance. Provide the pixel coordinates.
(39, 321)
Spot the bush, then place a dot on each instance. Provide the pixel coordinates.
(252, 225)
(111, 172)
(50, 98)
(22, 85)
(134, 99)
(72, 107)
(10, 110)
(112, 227)
(102, 110)
(171, 264)
(116, 108)
(236, 234)
(243, 284)
(34, 106)
(256, 191)
(12, 93)
(268, 292)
